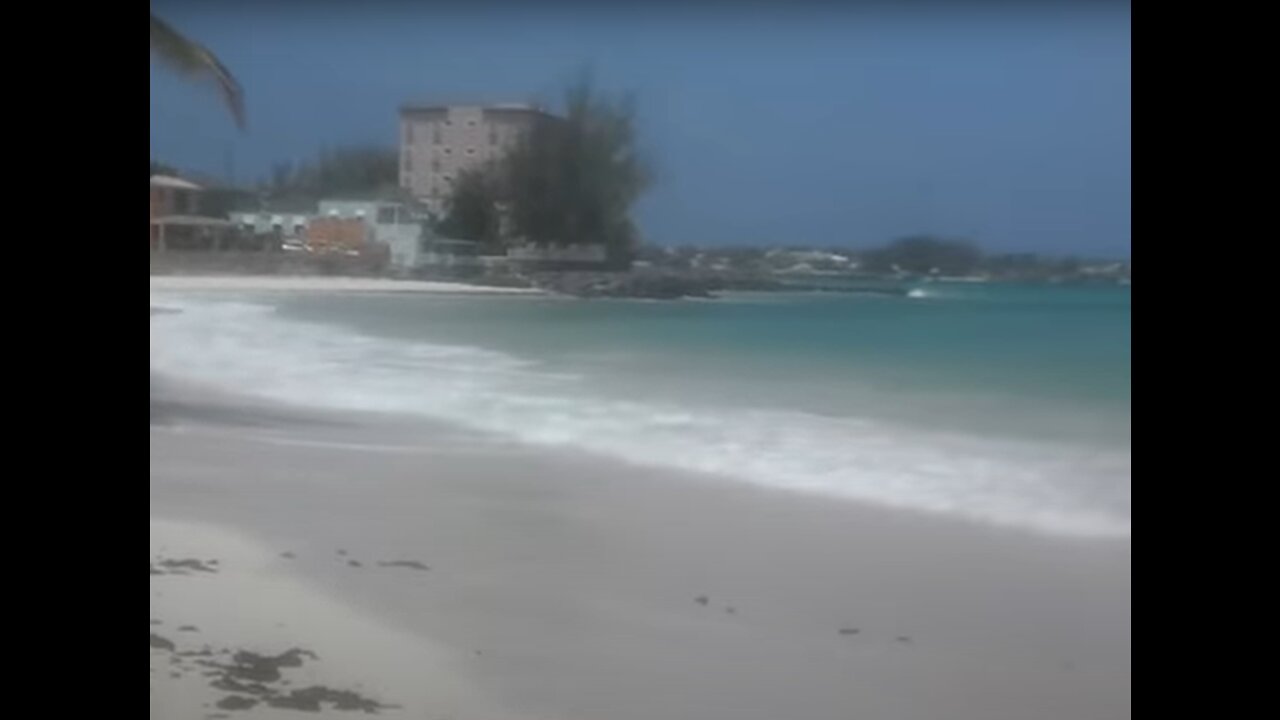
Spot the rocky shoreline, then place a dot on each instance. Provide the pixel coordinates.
(676, 286)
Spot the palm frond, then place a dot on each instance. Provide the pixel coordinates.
(193, 60)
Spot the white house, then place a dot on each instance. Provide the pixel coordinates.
(391, 223)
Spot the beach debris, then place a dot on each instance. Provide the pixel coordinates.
(313, 699)
(409, 564)
(703, 600)
(251, 679)
(355, 564)
(288, 556)
(905, 640)
(235, 702)
(235, 686)
(182, 567)
(850, 631)
(262, 668)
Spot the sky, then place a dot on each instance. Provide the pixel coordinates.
(807, 125)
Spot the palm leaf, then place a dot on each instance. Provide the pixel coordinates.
(193, 60)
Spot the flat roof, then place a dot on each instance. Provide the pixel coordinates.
(192, 221)
(176, 183)
(411, 108)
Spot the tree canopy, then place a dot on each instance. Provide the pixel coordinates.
(351, 172)
(473, 211)
(570, 180)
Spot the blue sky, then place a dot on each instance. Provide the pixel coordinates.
(807, 126)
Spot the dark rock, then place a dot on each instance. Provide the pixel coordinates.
(159, 643)
(640, 285)
(189, 629)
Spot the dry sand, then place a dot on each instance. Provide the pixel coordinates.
(570, 587)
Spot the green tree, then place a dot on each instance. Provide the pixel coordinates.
(473, 212)
(159, 168)
(193, 60)
(573, 180)
(350, 172)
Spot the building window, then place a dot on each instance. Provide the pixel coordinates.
(448, 151)
(471, 123)
(471, 151)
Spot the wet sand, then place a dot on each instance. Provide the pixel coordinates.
(457, 576)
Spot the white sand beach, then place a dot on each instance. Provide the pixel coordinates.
(457, 576)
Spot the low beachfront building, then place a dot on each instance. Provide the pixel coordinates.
(178, 220)
(391, 224)
(288, 228)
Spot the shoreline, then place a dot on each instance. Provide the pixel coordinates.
(574, 587)
(282, 283)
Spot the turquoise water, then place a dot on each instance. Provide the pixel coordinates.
(1002, 403)
(1059, 358)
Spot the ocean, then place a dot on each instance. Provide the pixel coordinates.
(999, 404)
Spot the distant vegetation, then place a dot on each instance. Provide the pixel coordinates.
(346, 172)
(923, 255)
(907, 258)
(159, 168)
